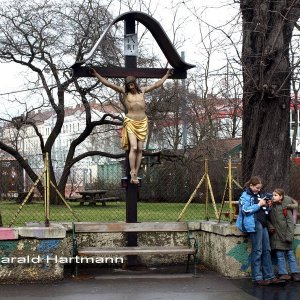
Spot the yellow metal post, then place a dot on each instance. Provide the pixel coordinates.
(26, 199)
(223, 199)
(212, 197)
(47, 184)
(191, 197)
(230, 190)
(206, 187)
(64, 201)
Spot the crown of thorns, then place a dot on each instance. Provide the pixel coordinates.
(130, 79)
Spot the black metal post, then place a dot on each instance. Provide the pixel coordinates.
(131, 189)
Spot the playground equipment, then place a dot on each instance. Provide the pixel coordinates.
(47, 183)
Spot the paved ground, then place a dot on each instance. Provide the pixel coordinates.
(162, 284)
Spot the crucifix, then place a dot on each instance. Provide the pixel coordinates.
(130, 70)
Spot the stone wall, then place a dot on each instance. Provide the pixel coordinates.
(226, 250)
(30, 254)
(38, 253)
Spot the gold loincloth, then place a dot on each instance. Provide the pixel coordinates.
(138, 128)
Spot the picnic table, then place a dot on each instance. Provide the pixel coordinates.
(21, 197)
(93, 196)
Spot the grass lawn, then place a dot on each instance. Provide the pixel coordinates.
(113, 211)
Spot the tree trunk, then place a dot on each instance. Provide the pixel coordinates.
(267, 31)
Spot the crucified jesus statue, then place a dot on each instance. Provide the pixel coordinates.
(135, 126)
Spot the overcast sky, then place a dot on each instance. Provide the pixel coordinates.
(216, 13)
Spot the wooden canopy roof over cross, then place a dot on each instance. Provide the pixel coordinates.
(179, 65)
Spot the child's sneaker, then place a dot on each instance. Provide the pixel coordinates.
(284, 277)
(296, 277)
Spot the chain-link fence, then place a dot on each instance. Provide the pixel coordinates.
(166, 186)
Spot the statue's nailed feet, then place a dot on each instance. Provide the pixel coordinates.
(134, 178)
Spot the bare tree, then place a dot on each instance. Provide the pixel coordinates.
(165, 117)
(295, 83)
(45, 37)
(231, 90)
(267, 32)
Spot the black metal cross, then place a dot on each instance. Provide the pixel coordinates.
(180, 72)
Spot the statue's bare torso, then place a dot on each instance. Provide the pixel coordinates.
(136, 106)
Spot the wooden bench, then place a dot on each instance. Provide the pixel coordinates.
(190, 248)
(73, 199)
(104, 200)
(93, 201)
